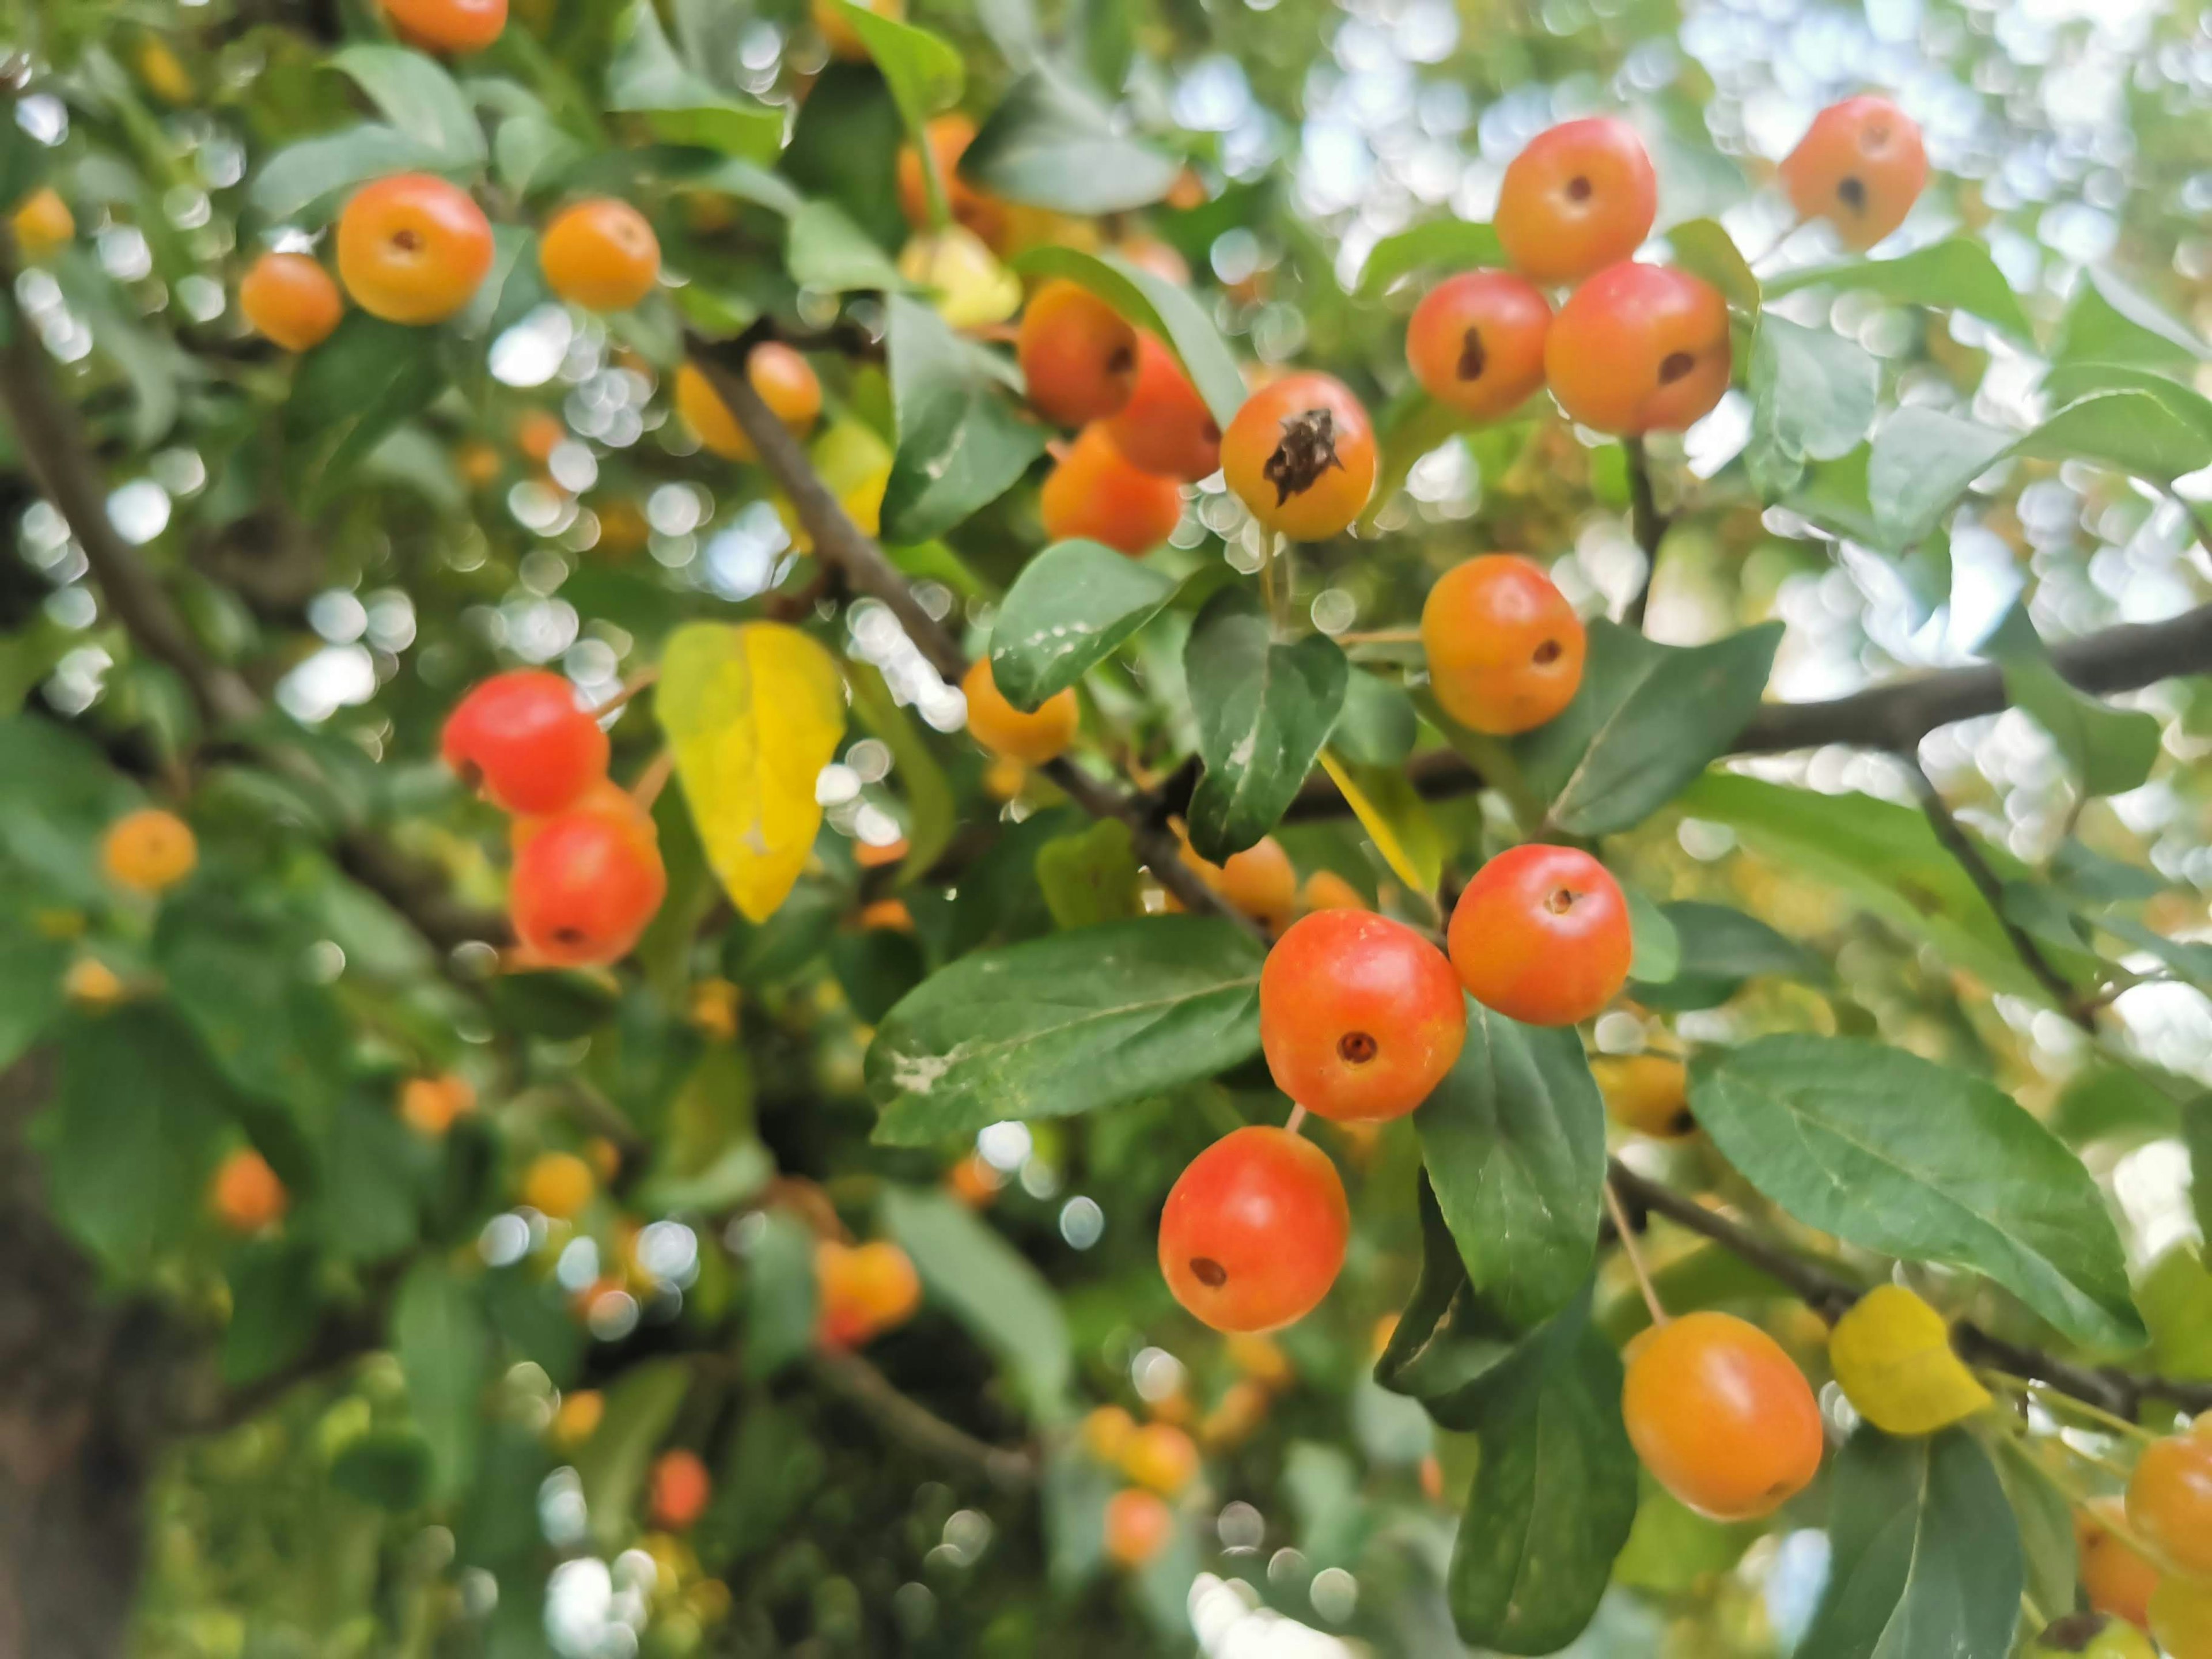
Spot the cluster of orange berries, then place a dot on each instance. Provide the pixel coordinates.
(861, 1290)
(1159, 1460)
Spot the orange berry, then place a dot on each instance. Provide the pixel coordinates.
(1541, 935)
(1254, 1231)
(2170, 1502)
(1162, 1457)
(149, 851)
(1261, 1359)
(1859, 166)
(413, 248)
(2115, 1576)
(451, 26)
(1639, 349)
(1505, 648)
(884, 1284)
(1259, 881)
(430, 1104)
(1577, 198)
(1432, 1479)
(2180, 1616)
(91, 983)
(1078, 355)
(1327, 891)
(1359, 1016)
(1476, 342)
(870, 856)
(559, 1185)
(1301, 456)
(603, 796)
(1138, 1526)
(889, 915)
(974, 1181)
(291, 300)
(949, 136)
(247, 1195)
(538, 433)
(521, 737)
(1107, 1433)
(43, 223)
(600, 254)
(585, 887)
(681, 1488)
(578, 1417)
(1165, 427)
(1648, 1093)
(841, 37)
(1004, 778)
(783, 379)
(1096, 494)
(1003, 730)
(1721, 1416)
(479, 466)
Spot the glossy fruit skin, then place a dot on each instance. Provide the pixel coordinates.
(1579, 198)
(1648, 1093)
(450, 26)
(1476, 342)
(1721, 1416)
(43, 223)
(1003, 730)
(1259, 881)
(1859, 166)
(2170, 1502)
(247, 1197)
(602, 795)
(949, 136)
(149, 851)
(1541, 935)
(559, 1185)
(1300, 454)
(2180, 1615)
(2090, 1636)
(1094, 493)
(1254, 1231)
(2115, 1578)
(841, 37)
(584, 888)
(429, 1105)
(413, 248)
(1505, 649)
(291, 300)
(521, 737)
(1164, 426)
(1359, 1016)
(1639, 349)
(784, 380)
(600, 254)
(1078, 355)
(1161, 1456)
(681, 1488)
(1138, 1526)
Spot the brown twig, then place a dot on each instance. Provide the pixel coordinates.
(1647, 523)
(861, 1386)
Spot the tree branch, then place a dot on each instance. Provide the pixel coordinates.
(902, 1418)
(1647, 523)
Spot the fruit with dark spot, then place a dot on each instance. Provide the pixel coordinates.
(413, 248)
(1859, 166)
(585, 887)
(1476, 342)
(1577, 198)
(1721, 1416)
(1165, 426)
(1505, 648)
(1300, 455)
(1254, 1231)
(1079, 357)
(1639, 349)
(1359, 1016)
(1541, 935)
(1648, 1093)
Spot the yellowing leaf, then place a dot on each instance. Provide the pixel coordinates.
(856, 465)
(752, 714)
(1395, 818)
(967, 284)
(1893, 1358)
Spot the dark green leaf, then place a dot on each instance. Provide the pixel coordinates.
(391, 1469)
(1071, 607)
(1264, 709)
(1813, 396)
(2110, 749)
(1656, 952)
(304, 183)
(875, 968)
(990, 1287)
(1090, 878)
(1065, 1024)
(354, 389)
(1052, 144)
(272, 1309)
(1954, 275)
(641, 1410)
(781, 1303)
(1704, 248)
(1719, 949)
(530, 154)
(420, 99)
(32, 967)
(825, 251)
(443, 1342)
(2045, 1517)
(1894, 1153)
(963, 442)
(922, 70)
(1378, 725)
(2092, 878)
(1159, 305)
(1452, 242)
(647, 77)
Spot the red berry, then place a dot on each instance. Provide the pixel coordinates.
(1859, 166)
(1577, 198)
(1254, 1231)
(1165, 427)
(1360, 1016)
(1639, 349)
(585, 886)
(1541, 935)
(681, 1486)
(1079, 357)
(1721, 1416)
(521, 737)
(1476, 342)
(1505, 648)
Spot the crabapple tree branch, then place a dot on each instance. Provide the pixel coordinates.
(867, 1390)
(1646, 523)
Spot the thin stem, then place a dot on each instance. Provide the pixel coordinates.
(1647, 523)
(651, 781)
(1297, 1121)
(2059, 1400)
(867, 1389)
(1628, 1234)
(636, 683)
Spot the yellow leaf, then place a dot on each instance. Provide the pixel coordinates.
(856, 465)
(1893, 1358)
(1395, 818)
(752, 714)
(970, 287)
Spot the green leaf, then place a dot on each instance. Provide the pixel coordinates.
(922, 70)
(1158, 306)
(1813, 395)
(1927, 1556)
(272, 1309)
(1445, 1342)
(32, 967)
(1264, 709)
(2110, 322)
(825, 251)
(1894, 1153)
(420, 99)
(2110, 749)
(1954, 275)
(1052, 144)
(1071, 607)
(2046, 1516)
(513, 287)
(1921, 463)
(1378, 725)
(1656, 952)
(1719, 949)
(2068, 383)
(1090, 878)
(352, 390)
(1647, 720)
(1513, 1139)
(991, 1288)
(1554, 1495)
(443, 1342)
(1065, 1024)
(392, 1469)
(2196, 1134)
(682, 107)
(963, 442)
(371, 1211)
(1704, 248)
(781, 1303)
(641, 1409)
(530, 154)
(302, 183)
(1452, 242)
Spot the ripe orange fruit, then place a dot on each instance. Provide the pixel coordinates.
(600, 254)
(1003, 730)
(1078, 355)
(559, 1185)
(578, 1418)
(1476, 342)
(1505, 648)
(1162, 1457)
(1721, 1416)
(291, 300)
(521, 737)
(1579, 198)
(1300, 455)
(1094, 493)
(413, 248)
(1859, 166)
(1107, 1433)
(1259, 881)
(949, 136)
(1359, 1016)
(2115, 1578)
(1639, 349)
(1327, 891)
(1138, 1524)
(1165, 426)
(585, 886)
(449, 27)
(2170, 1502)
(43, 223)
(430, 1104)
(782, 379)
(1541, 935)
(1254, 1231)
(149, 851)
(247, 1195)
(681, 1488)
(862, 1290)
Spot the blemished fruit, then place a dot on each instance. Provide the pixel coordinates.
(2170, 1502)
(1161, 1456)
(681, 1488)
(449, 27)
(559, 1185)
(149, 851)
(600, 254)
(1006, 731)
(413, 248)
(1096, 495)
(1359, 1016)
(1138, 1526)
(1578, 198)
(1300, 455)
(290, 301)
(1254, 1231)
(840, 36)
(2180, 1615)
(1078, 354)
(949, 136)
(2090, 1636)
(1648, 1093)
(521, 737)
(1639, 349)
(585, 887)
(1861, 166)
(42, 223)
(783, 379)
(1476, 342)
(1721, 1416)
(1163, 425)
(1259, 881)
(1541, 935)
(1505, 648)
(247, 1196)
(429, 1105)
(2115, 1576)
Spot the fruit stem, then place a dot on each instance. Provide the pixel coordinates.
(630, 687)
(651, 781)
(2055, 1400)
(1658, 1309)
(1297, 1119)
